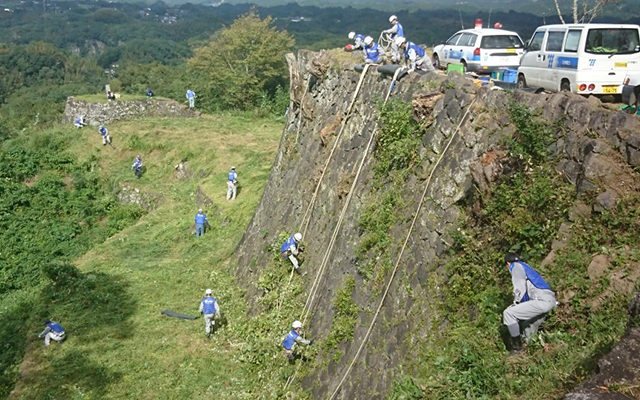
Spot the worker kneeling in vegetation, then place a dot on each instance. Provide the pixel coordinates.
(53, 331)
(104, 132)
(372, 51)
(292, 338)
(415, 55)
(210, 309)
(291, 248)
(532, 300)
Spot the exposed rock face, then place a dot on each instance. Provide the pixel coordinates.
(106, 113)
(474, 120)
(132, 195)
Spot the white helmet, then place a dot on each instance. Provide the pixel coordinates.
(233, 168)
(352, 35)
(200, 210)
(297, 237)
(392, 18)
(399, 40)
(297, 324)
(368, 40)
(208, 291)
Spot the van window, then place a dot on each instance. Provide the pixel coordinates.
(612, 41)
(573, 40)
(454, 38)
(536, 41)
(501, 42)
(554, 41)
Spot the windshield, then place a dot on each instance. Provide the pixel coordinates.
(501, 42)
(612, 41)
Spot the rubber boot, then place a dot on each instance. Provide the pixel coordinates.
(516, 346)
(300, 272)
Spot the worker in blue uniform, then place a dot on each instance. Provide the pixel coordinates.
(210, 310)
(291, 248)
(201, 219)
(232, 184)
(293, 337)
(396, 31)
(373, 52)
(53, 331)
(532, 300)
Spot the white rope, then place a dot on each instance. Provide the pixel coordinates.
(316, 284)
(395, 268)
(335, 145)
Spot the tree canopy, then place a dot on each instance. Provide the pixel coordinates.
(242, 63)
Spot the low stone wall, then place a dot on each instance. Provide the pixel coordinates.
(112, 111)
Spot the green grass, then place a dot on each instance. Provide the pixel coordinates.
(119, 346)
(102, 97)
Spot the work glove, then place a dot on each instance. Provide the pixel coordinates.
(311, 342)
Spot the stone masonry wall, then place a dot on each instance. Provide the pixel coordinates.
(112, 111)
(592, 134)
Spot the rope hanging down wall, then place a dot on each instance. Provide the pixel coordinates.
(395, 268)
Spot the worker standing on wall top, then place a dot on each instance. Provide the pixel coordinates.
(53, 331)
(210, 309)
(292, 338)
(191, 96)
(394, 32)
(232, 184)
(291, 248)
(137, 166)
(201, 219)
(105, 135)
(358, 40)
(372, 51)
(79, 122)
(415, 55)
(532, 300)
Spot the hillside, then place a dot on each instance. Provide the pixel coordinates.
(404, 234)
(119, 346)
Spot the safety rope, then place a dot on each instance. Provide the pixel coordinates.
(335, 145)
(316, 284)
(324, 169)
(336, 231)
(395, 268)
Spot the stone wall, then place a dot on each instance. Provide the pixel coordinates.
(592, 138)
(112, 111)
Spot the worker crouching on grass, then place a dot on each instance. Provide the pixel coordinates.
(200, 220)
(292, 338)
(373, 53)
(291, 248)
(53, 331)
(532, 300)
(414, 55)
(210, 309)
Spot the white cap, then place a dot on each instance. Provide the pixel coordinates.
(399, 40)
(368, 40)
(297, 237)
(352, 35)
(392, 18)
(199, 209)
(208, 291)
(233, 167)
(297, 324)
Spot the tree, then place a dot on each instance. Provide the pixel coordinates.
(584, 11)
(241, 63)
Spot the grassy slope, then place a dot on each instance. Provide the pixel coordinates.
(159, 264)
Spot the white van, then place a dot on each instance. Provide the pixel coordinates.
(581, 58)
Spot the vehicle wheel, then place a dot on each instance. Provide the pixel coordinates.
(522, 82)
(436, 61)
(565, 86)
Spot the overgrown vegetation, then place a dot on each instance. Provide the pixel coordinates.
(396, 153)
(465, 356)
(53, 208)
(345, 315)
